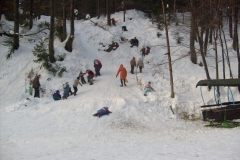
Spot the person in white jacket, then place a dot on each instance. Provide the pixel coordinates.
(140, 64)
(147, 88)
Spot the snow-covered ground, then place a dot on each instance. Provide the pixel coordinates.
(139, 127)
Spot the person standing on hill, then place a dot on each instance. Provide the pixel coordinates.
(65, 90)
(36, 86)
(75, 84)
(147, 50)
(123, 75)
(140, 64)
(90, 76)
(143, 52)
(97, 70)
(132, 64)
(81, 75)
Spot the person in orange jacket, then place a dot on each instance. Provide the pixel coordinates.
(123, 75)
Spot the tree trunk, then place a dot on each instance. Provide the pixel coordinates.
(68, 46)
(1, 6)
(98, 9)
(230, 18)
(235, 34)
(51, 34)
(108, 13)
(169, 53)
(16, 25)
(228, 61)
(124, 10)
(31, 15)
(216, 56)
(64, 34)
(193, 54)
(223, 57)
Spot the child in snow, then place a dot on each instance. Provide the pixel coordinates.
(56, 95)
(147, 88)
(102, 111)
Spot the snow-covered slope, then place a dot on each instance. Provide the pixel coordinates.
(139, 127)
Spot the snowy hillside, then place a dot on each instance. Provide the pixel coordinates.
(139, 127)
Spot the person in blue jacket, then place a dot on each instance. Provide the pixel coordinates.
(102, 111)
(66, 90)
(57, 96)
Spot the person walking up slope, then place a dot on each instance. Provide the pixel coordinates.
(140, 64)
(75, 84)
(65, 90)
(132, 64)
(123, 75)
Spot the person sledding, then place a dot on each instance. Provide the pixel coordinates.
(56, 95)
(102, 111)
(75, 84)
(147, 88)
(123, 75)
(90, 76)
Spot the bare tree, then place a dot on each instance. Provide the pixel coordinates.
(51, 34)
(169, 52)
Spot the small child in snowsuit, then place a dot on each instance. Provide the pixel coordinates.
(81, 75)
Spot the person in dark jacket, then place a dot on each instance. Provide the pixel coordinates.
(134, 42)
(113, 21)
(90, 76)
(133, 64)
(57, 96)
(36, 86)
(147, 50)
(143, 52)
(97, 69)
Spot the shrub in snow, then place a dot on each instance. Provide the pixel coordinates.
(9, 42)
(40, 51)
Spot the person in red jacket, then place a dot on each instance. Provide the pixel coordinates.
(123, 75)
(90, 76)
